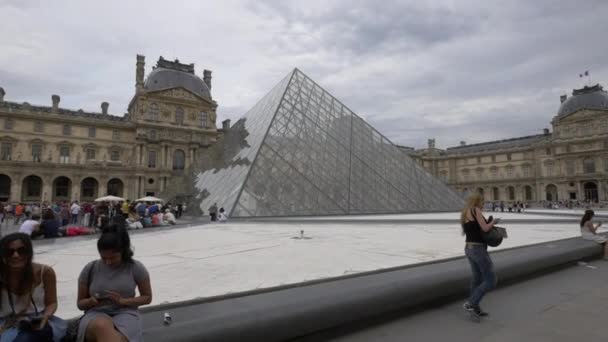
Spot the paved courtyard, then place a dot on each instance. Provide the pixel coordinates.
(214, 259)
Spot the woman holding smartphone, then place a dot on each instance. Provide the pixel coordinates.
(28, 294)
(484, 279)
(106, 291)
(589, 231)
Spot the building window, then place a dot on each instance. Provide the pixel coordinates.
(152, 134)
(38, 127)
(508, 156)
(589, 165)
(92, 132)
(151, 159)
(203, 118)
(115, 134)
(548, 151)
(509, 171)
(549, 170)
(478, 160)
(605, 165)
(179, 116)
(570, 167)
(6, 150)
(179, 160)
(526, 171)
(64, 154)
(494, 172)
(493, 159)
(67, 130)
(90, 154)
(8, 123)
(115, 155)
(37, 153)
(153, 113)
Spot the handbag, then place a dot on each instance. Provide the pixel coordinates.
(494, 236)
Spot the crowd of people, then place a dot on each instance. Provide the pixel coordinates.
(68, 219)
(106, 292)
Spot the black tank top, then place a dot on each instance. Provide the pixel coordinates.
(472, 229)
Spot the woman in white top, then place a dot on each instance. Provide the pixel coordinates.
(28, 294)
(589, 231)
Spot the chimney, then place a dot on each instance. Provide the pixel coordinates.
(139, 72)
(563, 98)
(2, 93)
(545, 131)
(207, 78)
(104, 107)
(226, 125)
(55, 99)
(463, 143)
(431, 143)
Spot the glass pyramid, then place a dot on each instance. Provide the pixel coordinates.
(299, 151)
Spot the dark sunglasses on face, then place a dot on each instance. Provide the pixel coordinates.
(22, 251)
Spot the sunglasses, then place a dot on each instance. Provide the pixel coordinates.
(22, 251)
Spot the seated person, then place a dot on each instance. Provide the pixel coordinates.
(31, 226)
(28, 298)
(49, 227)
(589, 231)
(169, 218)
(106, 291)
(222, 216)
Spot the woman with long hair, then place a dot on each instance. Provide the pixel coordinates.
(484, 279)
(106, 291)
(28, 294)
(589, 231)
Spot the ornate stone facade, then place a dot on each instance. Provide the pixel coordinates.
(569, 163)
(51, 153)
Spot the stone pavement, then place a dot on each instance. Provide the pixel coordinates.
(568, 305)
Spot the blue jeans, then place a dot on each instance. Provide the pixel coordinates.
(484, 278)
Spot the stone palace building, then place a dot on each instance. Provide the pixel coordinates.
(568, 163)
(48, 153)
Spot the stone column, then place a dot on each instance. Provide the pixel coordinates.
(75, 189)
(600, 191)
(579, 192)
(16, 188)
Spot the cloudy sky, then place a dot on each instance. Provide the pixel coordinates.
(450, 70)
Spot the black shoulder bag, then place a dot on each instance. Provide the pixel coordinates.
(492, 237)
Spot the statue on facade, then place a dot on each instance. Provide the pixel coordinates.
(212, 117)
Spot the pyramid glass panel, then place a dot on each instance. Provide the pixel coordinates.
(306, 153)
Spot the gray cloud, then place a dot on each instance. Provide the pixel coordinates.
(414, 70)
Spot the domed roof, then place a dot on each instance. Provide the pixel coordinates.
(174, 74)
(586, 98)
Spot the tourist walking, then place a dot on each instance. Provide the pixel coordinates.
(75, 210)
(589, 231)
(483, 276)
(28, 294)
(106, 291)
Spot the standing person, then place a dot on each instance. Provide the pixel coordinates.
(106, 291)
(18, 212)
(483, 279)
(86, 209)
(213, 212)
(75, 210)
(222, 216)
(180, 210)
(589, 231)
(65, 214)
(28, 297)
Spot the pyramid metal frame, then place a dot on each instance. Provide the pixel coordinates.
(300, 152)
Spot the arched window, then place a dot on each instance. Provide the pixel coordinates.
(179, 116)
(589, 165)
(153, 112)
(179, 160)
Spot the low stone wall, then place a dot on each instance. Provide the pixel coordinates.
(287, 312)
